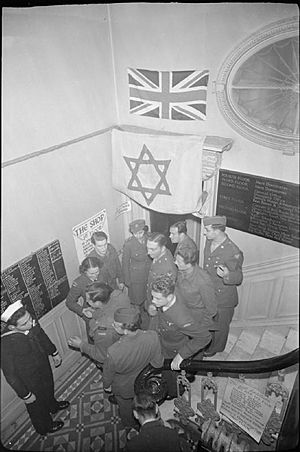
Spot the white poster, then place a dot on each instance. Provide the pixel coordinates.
(82, 233)
(246, 407)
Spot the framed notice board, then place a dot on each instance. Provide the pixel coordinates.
(39, 280)
(265, 207)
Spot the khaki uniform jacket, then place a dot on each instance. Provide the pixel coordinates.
(229, 254)
(179, 332)
(111, 266)
(187, 242)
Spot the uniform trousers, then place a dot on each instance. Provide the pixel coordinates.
(126, 413)
(220, 336)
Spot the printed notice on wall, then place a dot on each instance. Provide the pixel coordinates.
(82, 233)
(246, 407)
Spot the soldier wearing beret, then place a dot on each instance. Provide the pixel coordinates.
(126, 358)
(136, 262)
(223, 261)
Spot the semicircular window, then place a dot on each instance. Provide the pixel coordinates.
(258, 87)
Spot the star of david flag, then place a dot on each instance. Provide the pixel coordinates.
(178, 95)
(160, 172)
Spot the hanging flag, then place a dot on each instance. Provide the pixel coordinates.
(160, 172)
(179, 95)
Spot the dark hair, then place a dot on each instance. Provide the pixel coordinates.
(90, 262)
(99, 291)
(98, 235)
(132, 326)
(144, 404)
(13, 320)
(159, 238)
(181, 226)
(221, 227)
(189, 255)
(164, 284)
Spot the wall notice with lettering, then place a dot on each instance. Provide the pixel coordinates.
(39, 280)
(265, 207)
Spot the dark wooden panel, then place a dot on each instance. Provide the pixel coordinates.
(265, 207)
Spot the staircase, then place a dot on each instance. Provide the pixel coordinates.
(250, 344)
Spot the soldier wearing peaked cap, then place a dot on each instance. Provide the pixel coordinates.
(136, 262)
(223, 261)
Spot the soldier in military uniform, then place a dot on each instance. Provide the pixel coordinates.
(181, 335)
(127, 358)
(108, 255)
(223, 261)
(90, 271)
(136, 263)
(162, 261)
(178, 234)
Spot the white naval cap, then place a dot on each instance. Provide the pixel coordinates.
(10, 310)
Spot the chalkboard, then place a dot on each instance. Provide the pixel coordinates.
(39, 280)
(265, 207)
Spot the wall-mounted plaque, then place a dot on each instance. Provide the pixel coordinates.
(265, 207)
(39, 280)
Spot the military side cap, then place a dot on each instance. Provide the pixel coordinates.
(127, 315)
(221, 220)
(137, 225)
(10, 310)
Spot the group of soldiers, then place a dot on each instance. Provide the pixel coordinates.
(142, 309)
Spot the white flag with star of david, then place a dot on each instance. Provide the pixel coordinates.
(162, 172)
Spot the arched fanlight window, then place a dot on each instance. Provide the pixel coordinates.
(258, 87)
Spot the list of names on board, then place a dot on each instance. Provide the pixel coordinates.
(39, 280)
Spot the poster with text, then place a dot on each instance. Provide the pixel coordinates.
(82, 233)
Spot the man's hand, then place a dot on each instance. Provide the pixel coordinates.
(152, 311)
(175, 364)
(222, 271)
(57, 359)
(75, 341)
(31, 399)
(88, 312)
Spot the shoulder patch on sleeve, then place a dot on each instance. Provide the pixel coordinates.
(74, 284)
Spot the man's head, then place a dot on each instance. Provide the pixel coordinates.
(127, 320)
(156, 245)
(99, 240)
(177, 230)
(162, 290)
(213, 226)
(17, 317)
(144, 407)
(98, 294)
(186, 258)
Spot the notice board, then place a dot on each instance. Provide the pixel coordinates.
(265, 207)
(39, 280)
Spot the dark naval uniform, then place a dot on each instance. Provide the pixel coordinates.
(187, 242)
(227, 253)
(136, 265)
(125, 360)
(197, 291)
(25, 365)
(111, 266)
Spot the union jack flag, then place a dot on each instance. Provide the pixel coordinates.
(179, 95)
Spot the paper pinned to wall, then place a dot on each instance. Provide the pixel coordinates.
(82, 233)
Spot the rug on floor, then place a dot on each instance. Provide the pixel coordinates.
(92, 423)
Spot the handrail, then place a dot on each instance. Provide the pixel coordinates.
(245, 367)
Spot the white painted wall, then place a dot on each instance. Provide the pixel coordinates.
(181, 36)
